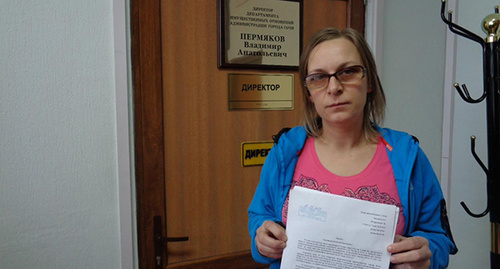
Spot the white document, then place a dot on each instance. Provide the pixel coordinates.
(331, 231)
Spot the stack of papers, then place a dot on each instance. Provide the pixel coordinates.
(331, 231)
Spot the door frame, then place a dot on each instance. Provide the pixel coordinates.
(146, 57)
(148, 122)
(123, 134)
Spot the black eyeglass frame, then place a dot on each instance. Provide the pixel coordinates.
(335, 75)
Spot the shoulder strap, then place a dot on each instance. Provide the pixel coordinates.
(277, 136)
(445, 224)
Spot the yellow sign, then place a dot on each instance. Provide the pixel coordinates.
(255, 153)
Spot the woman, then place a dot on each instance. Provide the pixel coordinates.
(341, 149)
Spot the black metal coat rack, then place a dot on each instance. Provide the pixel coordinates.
(491, 92)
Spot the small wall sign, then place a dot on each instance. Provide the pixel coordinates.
(255, 153)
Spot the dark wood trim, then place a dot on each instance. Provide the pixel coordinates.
(356, 19)
(148, 123)
(242, 260)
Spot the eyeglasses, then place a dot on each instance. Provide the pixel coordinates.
(348, 75)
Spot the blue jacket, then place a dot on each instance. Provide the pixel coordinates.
(418, 187)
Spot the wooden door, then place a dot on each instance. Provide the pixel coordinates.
(187, 142)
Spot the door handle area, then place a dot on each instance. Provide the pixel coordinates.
(160, 241)
(172, 239)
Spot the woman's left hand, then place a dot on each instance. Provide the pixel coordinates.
(410, 252)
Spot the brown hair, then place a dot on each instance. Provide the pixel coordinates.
(374, 110)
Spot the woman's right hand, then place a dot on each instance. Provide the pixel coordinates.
(271, 239)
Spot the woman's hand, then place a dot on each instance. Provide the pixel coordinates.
(271, 239)
(410, 252)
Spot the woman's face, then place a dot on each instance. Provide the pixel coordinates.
(338, 103)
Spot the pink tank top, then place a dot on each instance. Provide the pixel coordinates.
(375, 183)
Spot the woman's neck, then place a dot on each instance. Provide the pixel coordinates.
(343, 138)
(344, 151)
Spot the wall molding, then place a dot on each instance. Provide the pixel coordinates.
(374, 30)
(448, 104)
(128, 248)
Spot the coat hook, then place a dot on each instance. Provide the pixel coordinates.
(473, 150)
(466, 96)
(456, 28)
(475, 215)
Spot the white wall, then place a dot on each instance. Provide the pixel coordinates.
(59, 198)
(413, 71)
(418, 93)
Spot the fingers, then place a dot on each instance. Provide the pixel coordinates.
(412, 252)
(276, 230)
(402, 244)
(271, 239)
(398, 238)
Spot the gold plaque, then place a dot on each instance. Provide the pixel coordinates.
(255, 153)
(260, 34)
(261, 91)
